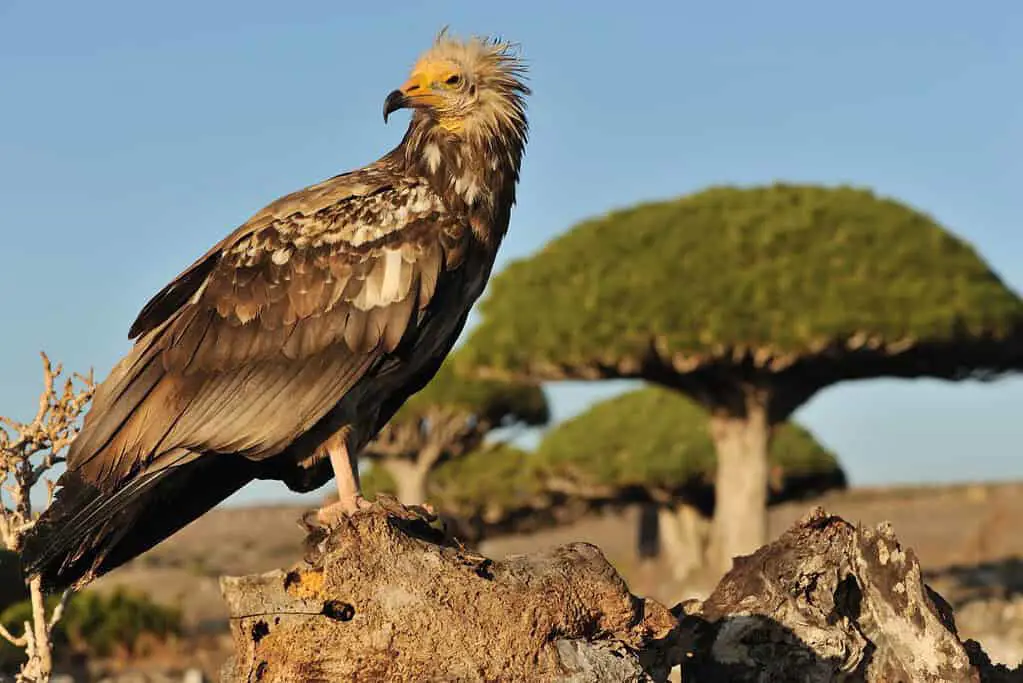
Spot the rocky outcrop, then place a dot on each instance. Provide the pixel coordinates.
(387, 596)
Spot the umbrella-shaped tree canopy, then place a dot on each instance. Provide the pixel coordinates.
(750, 300)
(766, 276)
(655, 442)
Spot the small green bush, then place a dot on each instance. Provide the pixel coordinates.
(96, 624)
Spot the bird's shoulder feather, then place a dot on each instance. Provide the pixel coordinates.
(348, 258)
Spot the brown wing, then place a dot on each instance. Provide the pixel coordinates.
(256, 341)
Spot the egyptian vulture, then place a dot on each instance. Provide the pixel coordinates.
(282, 351)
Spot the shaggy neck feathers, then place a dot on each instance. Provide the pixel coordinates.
(467, 168)
(469, 148)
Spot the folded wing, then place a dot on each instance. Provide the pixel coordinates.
(252, 345)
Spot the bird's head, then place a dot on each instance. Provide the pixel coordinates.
(466, 86)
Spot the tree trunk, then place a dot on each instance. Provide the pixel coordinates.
(648, 532)
(409, 480)
(684, 535)
(410, 475)
(740, 506)
(676, 532)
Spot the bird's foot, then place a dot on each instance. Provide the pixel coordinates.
(331, 515)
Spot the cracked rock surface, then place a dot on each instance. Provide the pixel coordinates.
(384, 597)
(388, 597)
(829, 601)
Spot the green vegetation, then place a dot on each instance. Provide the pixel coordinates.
(648, 444)
(496, 478)
(486, 482)
(749, 300)
(494, 402)
(657, 439)
(12, 588)
(782, 269)
(97, 624)
(449, 418)
(375, 480)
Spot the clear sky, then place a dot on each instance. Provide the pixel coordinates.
(134, 135)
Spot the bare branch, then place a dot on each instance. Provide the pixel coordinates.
(16, 641)
(6, 528)
(51, 490)
(28, 451)
(58, 611)
(43, 644)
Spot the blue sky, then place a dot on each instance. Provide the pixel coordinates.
(134, 135)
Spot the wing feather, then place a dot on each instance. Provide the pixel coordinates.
(428, 263)
(259, 339)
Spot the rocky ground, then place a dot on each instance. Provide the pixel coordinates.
(965, 536)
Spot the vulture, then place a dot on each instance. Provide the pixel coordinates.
(281, 352)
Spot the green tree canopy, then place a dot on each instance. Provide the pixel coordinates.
(750, 300)
(648, 444)
(500, 477)
(494, 489)
(448, 418)
(655, 439)
(774, 272)
(495, 402)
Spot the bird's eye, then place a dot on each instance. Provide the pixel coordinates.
(454, 79)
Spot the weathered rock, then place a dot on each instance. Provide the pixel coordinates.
(386, 598)
(829, 602)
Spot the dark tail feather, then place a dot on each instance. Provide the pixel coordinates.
(86, 533)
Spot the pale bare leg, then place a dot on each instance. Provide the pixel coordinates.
(346, 475)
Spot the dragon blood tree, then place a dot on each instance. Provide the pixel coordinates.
(493, 491)
(652, 446)
(750, 300)
(450, 417)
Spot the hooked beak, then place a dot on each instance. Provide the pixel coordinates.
(415, 92)
(395, 100)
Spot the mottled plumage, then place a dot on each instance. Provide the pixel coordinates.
(286, 347)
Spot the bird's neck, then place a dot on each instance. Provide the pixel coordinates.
(475, 175)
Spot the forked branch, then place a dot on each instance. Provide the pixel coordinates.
(28, 452)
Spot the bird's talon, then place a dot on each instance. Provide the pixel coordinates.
(331, 515)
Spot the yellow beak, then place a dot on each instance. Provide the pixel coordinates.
(415, 92)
